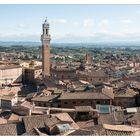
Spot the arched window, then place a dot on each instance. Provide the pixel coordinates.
(46, 31)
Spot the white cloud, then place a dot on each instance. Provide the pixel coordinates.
(58, 21)
(21, 25)
(20, 37)
(77, 37)
(98, 36)
(88, 23)
(57, 36)
(126, 21)
(138, 12)
(104, 22)
(76, 23)
(103, 25)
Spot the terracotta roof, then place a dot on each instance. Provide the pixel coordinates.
(108, 92)
(111, 118)
(125, 93)
(52, 121)
(7, 98)
(44, 98)
(8, 130)
(82, 132)
(83, 108)
(34, 68)
(51, 89)
(37, 121)
(85, 124)
(32, 132)
(26, 104)
(46, 92)
(35, 132)
(9, 67)
(65, 117)
(63, 69)
(99, 130)
(83, 95)
(3, 121)
(95, 130)
(97, 73)
(30, 96)
(13, 117)
(57, 91)
(80, 88)
(134, 118)
(124, 128)
(77, 83)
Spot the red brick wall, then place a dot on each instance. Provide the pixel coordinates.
(124, 102)
(89, 102)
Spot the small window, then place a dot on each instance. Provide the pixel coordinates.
(74, 102)
(105, 102)
(62, 77)
(82, 101)
(97, 102)
(65, 102)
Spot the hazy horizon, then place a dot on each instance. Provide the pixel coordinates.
(123, 45)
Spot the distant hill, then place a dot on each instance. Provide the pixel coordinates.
(14, 43)
(133, 45)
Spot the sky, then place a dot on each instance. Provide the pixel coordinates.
(71, 23)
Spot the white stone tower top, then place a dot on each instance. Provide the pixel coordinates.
(45, 37)
(46, 24)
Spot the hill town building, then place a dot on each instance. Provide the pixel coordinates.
(10, 74)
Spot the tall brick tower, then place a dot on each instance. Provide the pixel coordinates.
(88, 58)
(45, 39)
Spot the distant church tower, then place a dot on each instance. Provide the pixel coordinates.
(45, 39)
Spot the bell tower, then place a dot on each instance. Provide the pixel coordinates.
(45, 39)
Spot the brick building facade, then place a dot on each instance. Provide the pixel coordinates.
(63, 73)
(70, 100)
